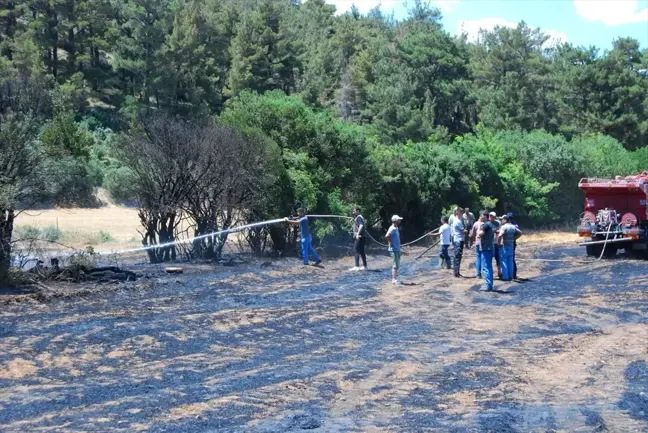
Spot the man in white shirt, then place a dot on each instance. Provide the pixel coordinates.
(393, 239)
(458, 238)
(445, 233)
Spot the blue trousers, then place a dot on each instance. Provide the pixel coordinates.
(478, 261)
(507, 258)
(307, 248)
(487, 267)
(444, 257)
(458, 254)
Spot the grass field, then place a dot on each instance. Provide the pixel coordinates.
(82, 227)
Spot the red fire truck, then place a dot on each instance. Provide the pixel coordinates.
(615, 215)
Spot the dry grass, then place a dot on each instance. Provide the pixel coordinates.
(550, 237)
(82, 227)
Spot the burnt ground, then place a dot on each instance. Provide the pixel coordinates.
(287, 348)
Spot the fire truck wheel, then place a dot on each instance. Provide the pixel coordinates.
(610, 251)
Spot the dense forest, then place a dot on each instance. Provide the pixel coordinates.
(233, 110)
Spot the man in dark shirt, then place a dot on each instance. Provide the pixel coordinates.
(359, 241)
(486, 237)
(510, 215)
(496, 252)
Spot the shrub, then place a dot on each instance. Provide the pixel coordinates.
(105, 236)
(120, 183)
(28, 232)
(51, 233)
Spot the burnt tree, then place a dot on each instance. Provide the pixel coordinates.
(167, 160)
(21, 177)
(238, 175)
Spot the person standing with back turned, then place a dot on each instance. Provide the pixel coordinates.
(458, 237)
(508, 234)
(393, 239)
(486, 239)
(359, 241)
(445, 232)
(306, 238)
(468, 221)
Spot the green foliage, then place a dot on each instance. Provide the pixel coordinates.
(84, 259)
(51, 233)
(105, 236)
(64, 137)
(119, 183)
(319, 152)
(28, 232)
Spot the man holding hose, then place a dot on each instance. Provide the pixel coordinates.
(306, 238)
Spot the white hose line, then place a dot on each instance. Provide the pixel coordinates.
(234, 230)
(196, 238)
(606, 240)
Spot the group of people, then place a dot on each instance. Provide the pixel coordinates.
(492, 238)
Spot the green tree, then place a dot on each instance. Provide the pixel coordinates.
(512, 79)
(263, 55)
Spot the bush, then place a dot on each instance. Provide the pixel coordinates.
(105, 236)
(28, 232)
(320, 153)
(51, 233)
(120, 183)
(71, 183)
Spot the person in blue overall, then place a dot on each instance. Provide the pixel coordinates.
(510, 215)
(486, 239)
(507, 236)
(306, 238)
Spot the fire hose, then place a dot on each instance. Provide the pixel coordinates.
(245, 227)
(606, 240)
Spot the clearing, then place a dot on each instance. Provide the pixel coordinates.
(283, 348)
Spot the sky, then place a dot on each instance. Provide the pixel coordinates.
(580, 22)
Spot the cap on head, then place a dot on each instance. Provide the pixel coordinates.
(510, 215)
(396, 218)
(506, 218)
(493, 214)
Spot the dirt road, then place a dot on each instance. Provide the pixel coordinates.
(287, 348)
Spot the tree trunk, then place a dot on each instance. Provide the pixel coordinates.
(52, 23)
(6, 230)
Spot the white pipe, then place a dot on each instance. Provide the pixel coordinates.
(241, 228)
(196, 238)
